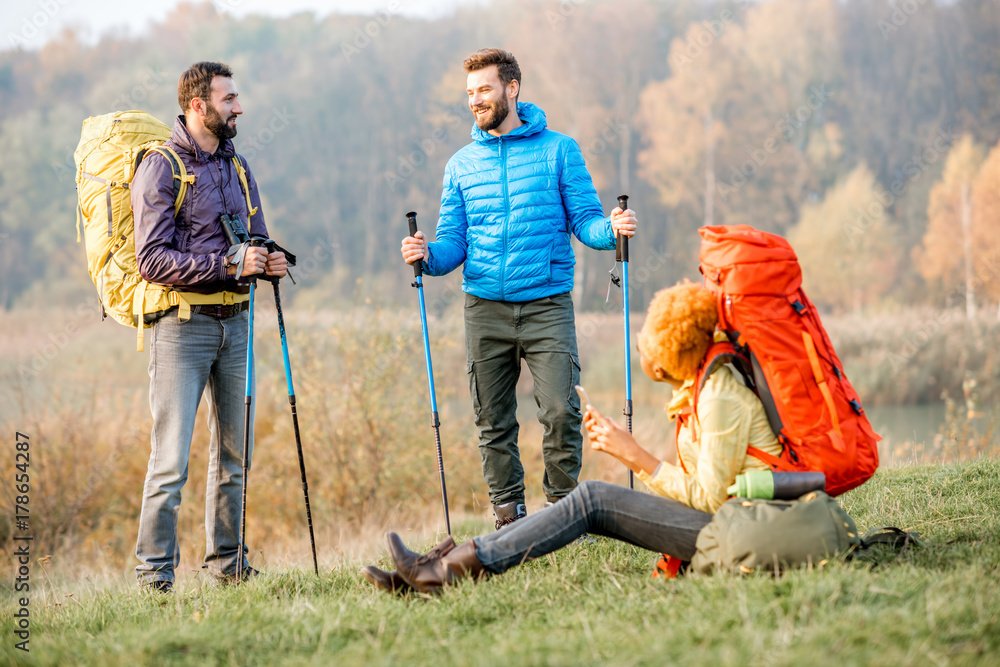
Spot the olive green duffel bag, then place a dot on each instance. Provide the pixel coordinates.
(747, 535)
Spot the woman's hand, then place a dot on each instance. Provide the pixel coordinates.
(610, 437)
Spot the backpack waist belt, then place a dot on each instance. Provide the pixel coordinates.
(184, 301)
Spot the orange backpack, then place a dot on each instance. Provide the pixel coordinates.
(812, 408)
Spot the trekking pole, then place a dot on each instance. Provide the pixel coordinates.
(621, 255)
(247, 404)
(418, 270)
(295, 419)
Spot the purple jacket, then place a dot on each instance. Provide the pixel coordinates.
(190, 252)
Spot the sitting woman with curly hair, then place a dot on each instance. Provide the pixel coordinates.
(711, 447)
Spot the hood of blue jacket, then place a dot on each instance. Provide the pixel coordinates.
(532, 117)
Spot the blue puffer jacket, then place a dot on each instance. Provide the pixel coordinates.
(507, 210)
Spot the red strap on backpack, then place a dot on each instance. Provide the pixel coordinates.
(667, 567)
(770, 459)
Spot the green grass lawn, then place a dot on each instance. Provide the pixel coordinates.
(587, 604)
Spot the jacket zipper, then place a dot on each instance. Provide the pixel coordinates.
(506, 219)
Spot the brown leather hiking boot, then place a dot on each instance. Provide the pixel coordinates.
(391, 582)
(429, 574)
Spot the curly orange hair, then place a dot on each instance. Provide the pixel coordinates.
(678, 329)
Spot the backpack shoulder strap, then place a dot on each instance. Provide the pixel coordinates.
(241, 171)
(181, 177)
(887, 536)
(718, 355)
(727, 353)
(763, 392)
(892, 536)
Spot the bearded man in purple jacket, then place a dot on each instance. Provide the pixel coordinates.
(189, 252)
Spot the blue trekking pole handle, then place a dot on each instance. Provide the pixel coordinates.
(621, 254)
(418, 269)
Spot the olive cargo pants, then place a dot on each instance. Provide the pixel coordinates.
(498, 334)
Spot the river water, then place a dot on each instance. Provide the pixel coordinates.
(907, 423)
(904, 428)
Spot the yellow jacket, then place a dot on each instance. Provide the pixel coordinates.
(712, 449)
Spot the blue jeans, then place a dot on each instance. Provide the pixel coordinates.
(652, 522)
(184, 359)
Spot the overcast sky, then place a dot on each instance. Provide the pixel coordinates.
(30, 23)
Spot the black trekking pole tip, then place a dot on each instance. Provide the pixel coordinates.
(623, 202)
(418, 266)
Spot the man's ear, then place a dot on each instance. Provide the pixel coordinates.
(513, 88)
(198, 106)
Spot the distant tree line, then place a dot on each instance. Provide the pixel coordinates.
(865, 131)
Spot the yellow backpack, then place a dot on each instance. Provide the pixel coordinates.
(107, 157)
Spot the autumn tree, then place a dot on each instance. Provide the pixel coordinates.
(559, 63)
(846, 244)
(948, 256)
(986, 225)
(350, 119)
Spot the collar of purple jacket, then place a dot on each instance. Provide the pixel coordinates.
(181, 136)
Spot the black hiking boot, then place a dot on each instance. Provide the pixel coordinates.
(508, 513)
(157, 586)
(230, 579)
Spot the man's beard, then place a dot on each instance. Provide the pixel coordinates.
(220, 128)
(496, 115)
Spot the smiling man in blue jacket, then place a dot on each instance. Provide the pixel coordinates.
(511, 201)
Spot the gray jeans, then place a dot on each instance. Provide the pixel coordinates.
(185, 358)
(652, 522)
(498, 334)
